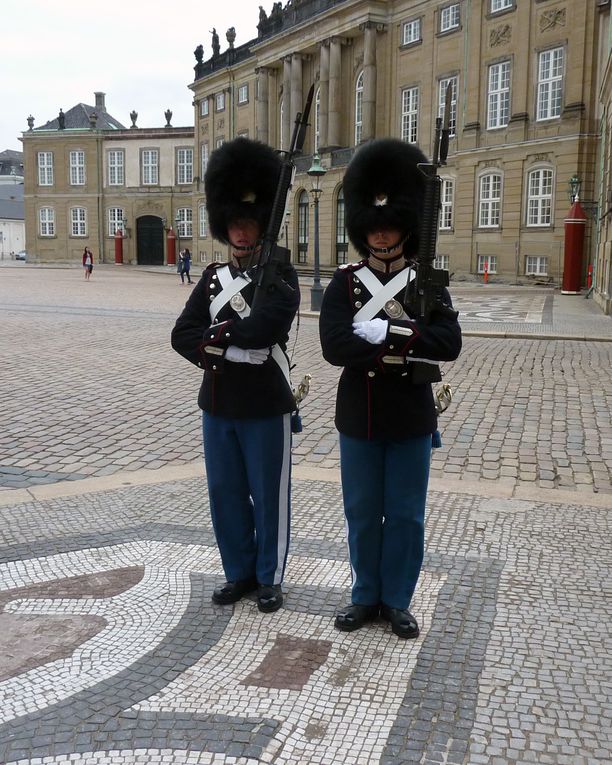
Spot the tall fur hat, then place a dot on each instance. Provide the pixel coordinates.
(384, 188)
(240, 182)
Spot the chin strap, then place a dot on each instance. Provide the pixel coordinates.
(389, 250)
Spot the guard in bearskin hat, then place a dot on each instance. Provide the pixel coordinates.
(245, 394)
(385, 411)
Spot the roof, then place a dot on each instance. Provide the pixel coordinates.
(11, 210)
(78, 118)
(11, 191)
(9, 154)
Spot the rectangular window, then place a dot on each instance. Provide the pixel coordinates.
(115, 220)
(446, 204)
(550, 84)
(243, 94)
(184, 166)
(184, 222)
(204, 158)
(490, 261)
(77, 168)
(539, 200)
(500, 5)
(537, 265)
(204, 107)
(410, 114)
(219, 143)
(220, 102)
(45, 168)
(46, 218)
(203, 222)
(442, 262)
(442, 102)
(490, 201)
(150, 167)
(116, 162)
(498, 112)
(411, 32)
(78, 221)
(449, 18)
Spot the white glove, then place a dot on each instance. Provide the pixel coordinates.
(374, 331)
(246, 355)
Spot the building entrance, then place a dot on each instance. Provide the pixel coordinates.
(150, 239)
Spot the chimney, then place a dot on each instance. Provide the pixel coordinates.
(100, 106)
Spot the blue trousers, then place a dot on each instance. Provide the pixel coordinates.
(384, 487)
(248, 469)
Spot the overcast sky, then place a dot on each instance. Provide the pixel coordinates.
(58, 54)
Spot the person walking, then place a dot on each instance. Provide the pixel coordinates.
(87, 263)
(245, 394)
(185, 258)
(385, 410)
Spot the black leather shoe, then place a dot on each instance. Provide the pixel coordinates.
(269, 598)
(230, 592)
(353, 617)
(403, 623)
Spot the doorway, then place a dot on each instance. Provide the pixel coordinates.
(150, 241)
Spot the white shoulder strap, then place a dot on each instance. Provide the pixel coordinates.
(380, 292)
(231, 286)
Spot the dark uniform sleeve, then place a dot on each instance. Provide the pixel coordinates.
(194, 320)
(440, 340)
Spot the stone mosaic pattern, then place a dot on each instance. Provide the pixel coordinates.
(512, 665)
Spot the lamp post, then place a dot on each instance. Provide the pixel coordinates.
(574, 185)
(316, 172)
(177, 220)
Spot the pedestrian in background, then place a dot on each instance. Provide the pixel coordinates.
(245, 394)
(185, 265)
(385, 410)
(87, 263)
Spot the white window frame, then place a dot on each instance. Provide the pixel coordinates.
(536, 265)
(46, 221)
(498, 96)
(500, 5)
(410, 115)
(442, 262)
(341, 233)
(203, 221)
(116, 167)
(411, 32)
(317, 120)
(442, 101)
(150, 167)
(115, 220)
(243, 93)
(184, 166)
(450, 17)
(489, 200)
(359, 108)
(220, 102)
(77, 167)
(540, 188)
(204, 108)
(203, 159)
(551, 65)
(303, 227)
(219, 142)
(78, 221)
(184, 222)
(447, 193)
(281, 129)
(490, 261)
(45, 168)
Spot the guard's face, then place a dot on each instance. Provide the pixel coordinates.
(243, 233)
(389, 238)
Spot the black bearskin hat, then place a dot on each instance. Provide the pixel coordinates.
(240, 182)
(384, 188)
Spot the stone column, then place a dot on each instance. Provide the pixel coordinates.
(323, 94)
(296, 88)
(369, 82)
(286, 102)
(262, 132)
(335, 92)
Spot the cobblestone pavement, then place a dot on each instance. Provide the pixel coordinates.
(111, 651)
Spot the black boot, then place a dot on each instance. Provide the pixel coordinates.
(269, 598)
(353, 617)
(230, 592)
(403, 623)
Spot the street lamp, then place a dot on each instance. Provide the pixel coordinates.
(177, 220)
(316, 172)
(574, 184)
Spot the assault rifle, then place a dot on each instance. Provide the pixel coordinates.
(272, 258)
(424, 293)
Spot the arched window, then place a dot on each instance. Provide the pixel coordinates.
(317, 117)
(341, 235)
(489, 200)
(303, 224)
(359, 109)
(539, 197)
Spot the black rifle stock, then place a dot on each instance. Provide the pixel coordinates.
(272, 258)
(423, 293)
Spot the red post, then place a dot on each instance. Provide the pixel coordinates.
(171, 247)
(486, 272)
(590, 276)
(118, 247)
(575, 225)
